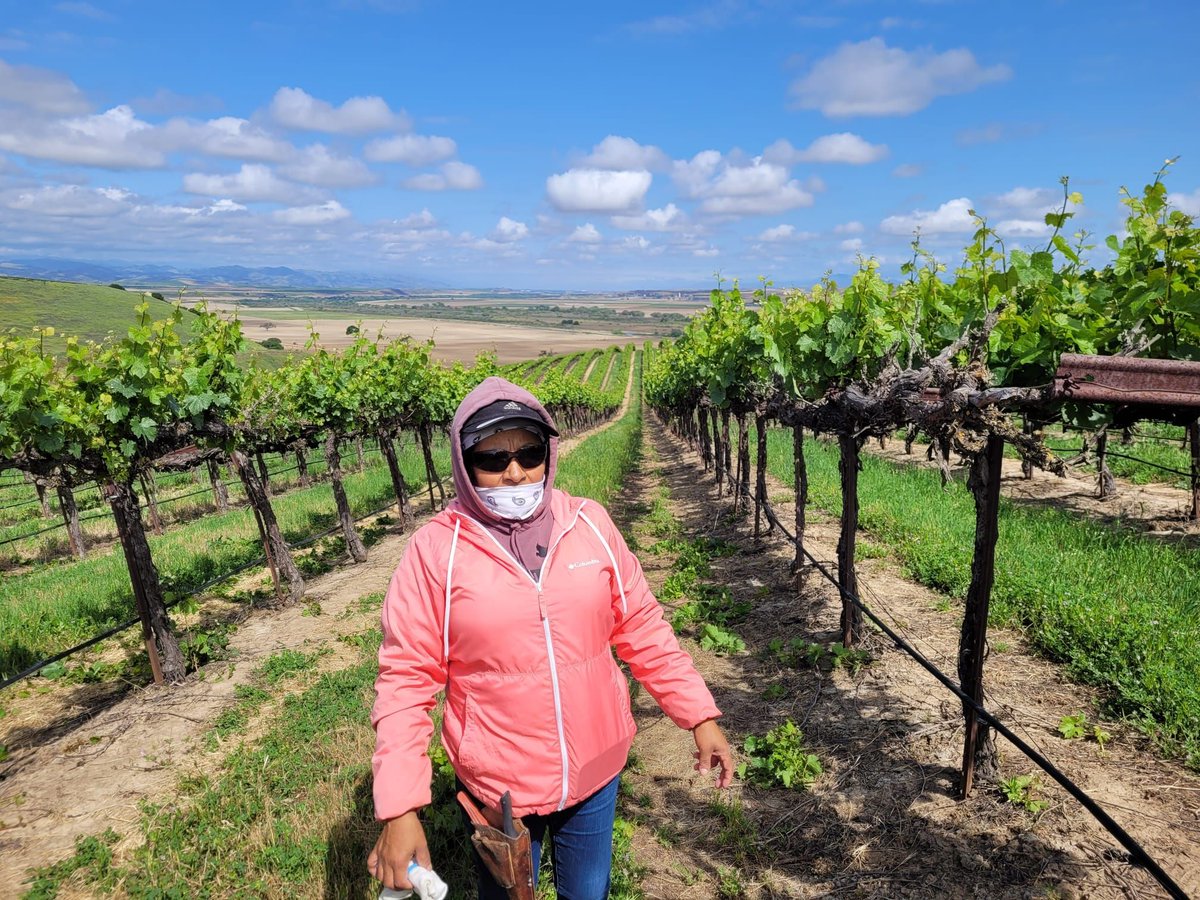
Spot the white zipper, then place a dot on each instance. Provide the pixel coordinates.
(545, 616)
(558, 717)
(538, 583)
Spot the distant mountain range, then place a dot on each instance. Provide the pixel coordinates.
(149, 275)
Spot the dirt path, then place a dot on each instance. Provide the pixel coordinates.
(587, 373)
(86, 762)
(882, 821)
(1157, 509)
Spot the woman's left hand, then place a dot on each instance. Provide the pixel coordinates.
(712, 750)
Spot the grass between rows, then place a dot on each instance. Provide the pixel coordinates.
(14, 490)
(53, 607)
(597, 467)
(291, 813)
(195, 499)
(1117, 608)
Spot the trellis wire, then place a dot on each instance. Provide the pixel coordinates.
(1137, 853)
(233, 482)
(258, 561)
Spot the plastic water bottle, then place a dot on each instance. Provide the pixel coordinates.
(425, 885)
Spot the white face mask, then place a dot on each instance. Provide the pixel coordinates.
(517, 502)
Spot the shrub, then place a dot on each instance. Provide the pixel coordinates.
(779, 758)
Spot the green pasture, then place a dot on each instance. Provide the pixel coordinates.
(88, 311)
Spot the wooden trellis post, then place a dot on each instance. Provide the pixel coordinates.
(979, 752)
(1193, 433)
(852, 621)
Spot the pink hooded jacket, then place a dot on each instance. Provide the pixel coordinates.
(535, 702)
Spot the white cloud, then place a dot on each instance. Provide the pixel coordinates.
(115, 139)
(585, 234)
(1023, 198)
(227, 136)
(728, 188)
(318, 214)
(252, 182)
(667, 218)
(165, 102)
(908, 170)
(852, 244)
(411, 149)
(454, 176)
(423, 219)
(226, 206)
(741, 181)
(952, 217)
(871, 79)
(223, 207)
(1187, 203)
(622, 153)
(693, 175)
(843, 147)
(408, 240)
(1025, 209)
(852, 227)
(1023, 227)
(71, 201)
(597, 190)
(296, 109)
(509, 230)
(784, 233)
(317, 165)
(636, 242)
(41, 90)
(461, 177)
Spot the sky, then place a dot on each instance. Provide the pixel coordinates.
(582, 145)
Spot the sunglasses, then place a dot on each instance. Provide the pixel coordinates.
(494, 461)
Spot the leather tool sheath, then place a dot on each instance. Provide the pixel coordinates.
(509, 858)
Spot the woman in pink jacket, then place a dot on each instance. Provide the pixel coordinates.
(512, 600)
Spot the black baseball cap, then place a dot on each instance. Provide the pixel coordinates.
(486, 421)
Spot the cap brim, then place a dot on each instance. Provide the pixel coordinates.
(491, 426)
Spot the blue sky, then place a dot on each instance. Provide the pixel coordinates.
(580, 146)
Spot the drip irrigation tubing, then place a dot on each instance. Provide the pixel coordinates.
(1137, 853)
(117, 629)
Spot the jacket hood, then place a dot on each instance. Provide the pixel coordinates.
(466, 500)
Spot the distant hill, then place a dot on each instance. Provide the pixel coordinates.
(88, 311)
(148, 275)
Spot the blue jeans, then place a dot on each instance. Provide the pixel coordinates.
(580, 844)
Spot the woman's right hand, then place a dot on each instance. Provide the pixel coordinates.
(402, 839)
